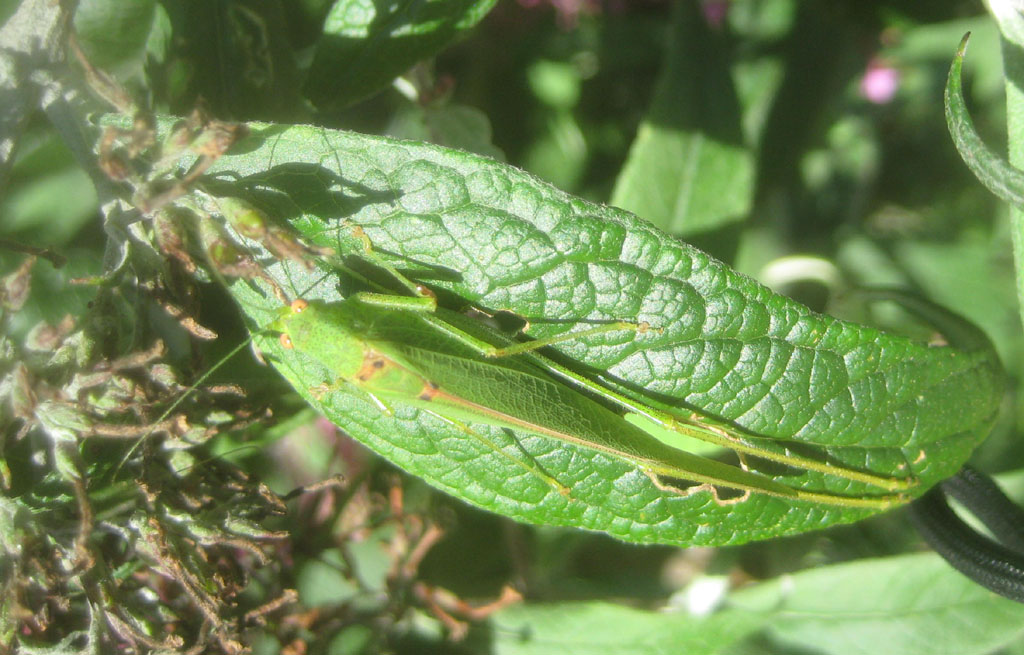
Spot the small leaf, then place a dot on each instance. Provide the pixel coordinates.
(991, 169)
(15, 286)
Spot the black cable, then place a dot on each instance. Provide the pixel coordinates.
(980, 495)
(995, 566)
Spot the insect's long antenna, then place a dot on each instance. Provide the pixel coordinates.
(167, 412)
(213, 458)
(202, 378)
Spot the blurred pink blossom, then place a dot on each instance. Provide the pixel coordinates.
(715, 12)
(880, 82)
(568, 11)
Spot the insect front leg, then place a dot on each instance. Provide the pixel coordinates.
(520, 347)
(370, 254)
(425, 304)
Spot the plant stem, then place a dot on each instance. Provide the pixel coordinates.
(1011, 26)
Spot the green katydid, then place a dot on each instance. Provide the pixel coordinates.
(363, 341)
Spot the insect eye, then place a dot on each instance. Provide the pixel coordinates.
(298, 305)
(286, 341)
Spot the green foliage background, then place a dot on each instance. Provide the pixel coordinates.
(746, 132)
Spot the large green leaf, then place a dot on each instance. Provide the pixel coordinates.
(486, 234)
(366, 44)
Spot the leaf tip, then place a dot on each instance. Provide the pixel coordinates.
(962, 48)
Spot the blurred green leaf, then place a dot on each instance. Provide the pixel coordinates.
(352, 640)
(922, 47)
(449, 125)
(50, 198)
(903, 605)
(114, 33)
(58, 204)
(689, 170)
(365, 45)
(324, 581)
(964, 277)
(559, 153)
(555, 83)
(605, 629)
